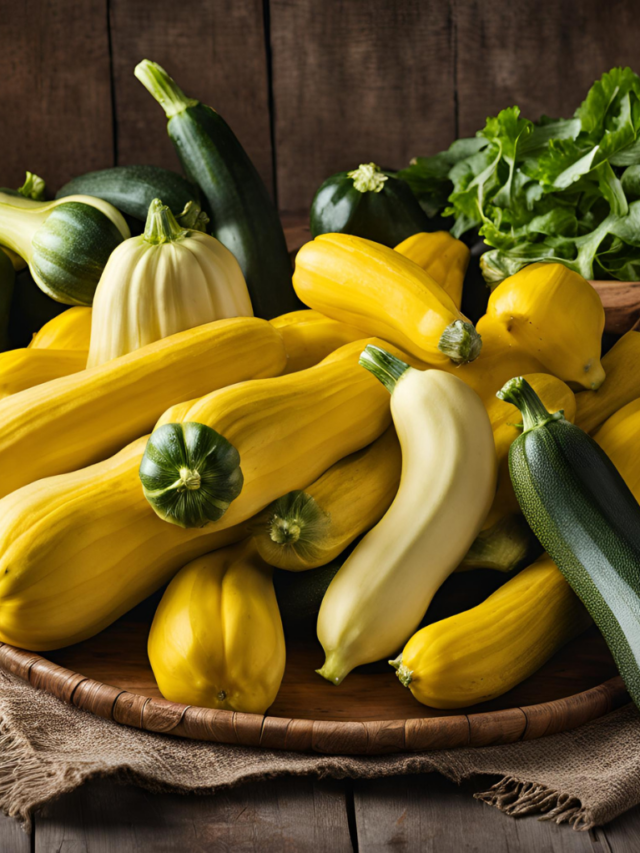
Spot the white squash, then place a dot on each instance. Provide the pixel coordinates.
(378, 597)
(165, 281)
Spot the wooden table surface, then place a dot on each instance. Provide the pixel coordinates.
(411, 813)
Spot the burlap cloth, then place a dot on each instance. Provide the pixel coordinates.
(585, 777)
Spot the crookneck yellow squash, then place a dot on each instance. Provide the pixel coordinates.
(440, 255)
(77, 420)
(621, 386)
(216, 640)
(380, 291)
(310, 336)
(306, 529)
(557, 317)
(83, 548)
(480, 654)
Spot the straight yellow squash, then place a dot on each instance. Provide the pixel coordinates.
(80, 419)
(621, 386)
(216, 640)
(380, 291)
(80, 549)
(23, 368)
(70, 330)
(440, 255)
(481, 653)
(555, 315)
(619, 437)
(310, 336)
(306, 529)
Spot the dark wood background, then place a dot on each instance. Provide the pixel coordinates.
(309, 86)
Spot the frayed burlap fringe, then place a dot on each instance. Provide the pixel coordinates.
(584, 777)
(516, 798)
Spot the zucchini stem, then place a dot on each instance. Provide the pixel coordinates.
(368, 178)
(385, 367)
(163, 88)
(461, 342)
(534, 414)
(161, 225)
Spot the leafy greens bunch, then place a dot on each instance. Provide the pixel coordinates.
(555, 190)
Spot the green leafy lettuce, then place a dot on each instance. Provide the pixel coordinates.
(555, 190)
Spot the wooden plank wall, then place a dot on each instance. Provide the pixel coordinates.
(309, 87)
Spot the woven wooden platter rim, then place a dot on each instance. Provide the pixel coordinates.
(327, 737)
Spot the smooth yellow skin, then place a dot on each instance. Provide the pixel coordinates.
(70, 330)
(440, 255)
(80, 549)
(216, 640)
(555, 395)
(354, 494)
(621, 386)
(23, 368)
(310, 336)
(382, 591)
(556, 316)
(376, 289)
(480, 654)
(619, 437)
(77, 420)
(150, 291)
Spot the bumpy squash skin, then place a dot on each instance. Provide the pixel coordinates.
(70, 330)
(622, 384)
(310, 336)
(216, 640)
(556, 316)
(346, 501)
(388, 215)
(440, 255)
(376, 289)
(588, 520)
(482, 653)
(80, 419)
(83, 548)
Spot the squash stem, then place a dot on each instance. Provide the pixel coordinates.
(163, 88)
(33, 187)
(161, 225)
(284, 531)
(461, 342)
(405, 675)
(534, 414)
(368, 178)
(384, 366)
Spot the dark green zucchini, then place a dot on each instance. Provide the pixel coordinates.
(586, 518)
(7, 279)
(242, 214)
(369, 203)
(132, 189)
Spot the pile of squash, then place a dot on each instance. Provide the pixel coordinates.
(168, 435)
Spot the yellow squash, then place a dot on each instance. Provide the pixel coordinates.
(306, 529)
(621, 386)
(80, 419)
(481, 653)
(440, 255)
(310, 336)
(619, 437)
(23, 368)
(378, 290)
(70, 330)
(216, 640)
(80, 549)
(556, 316)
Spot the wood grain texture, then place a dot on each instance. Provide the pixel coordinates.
(621, 302)
(215, 51)
(542, 56)
(288, 815)
(354, 82)
(364, 726)
(433, 815)
(55, 98)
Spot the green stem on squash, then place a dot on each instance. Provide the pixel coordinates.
(163, 88)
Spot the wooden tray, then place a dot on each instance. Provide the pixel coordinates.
(370, 713)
